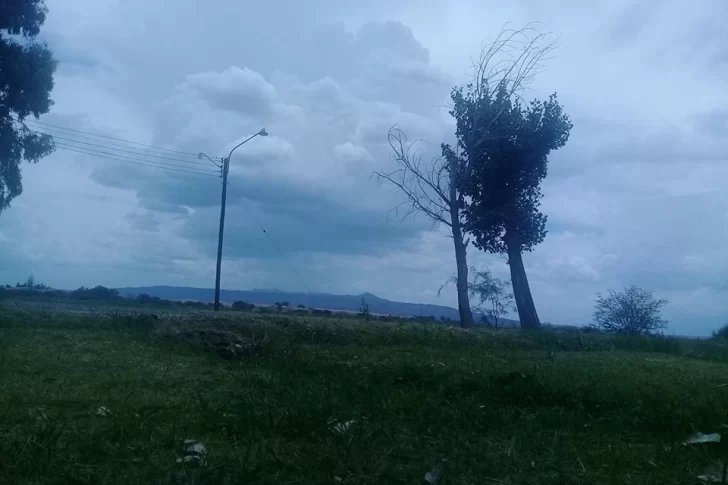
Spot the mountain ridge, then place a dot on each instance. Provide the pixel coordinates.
(322, 301)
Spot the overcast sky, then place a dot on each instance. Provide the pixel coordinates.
(638, 195)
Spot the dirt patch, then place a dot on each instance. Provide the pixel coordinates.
(224, 342)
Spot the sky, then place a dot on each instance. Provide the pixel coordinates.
(637, 196)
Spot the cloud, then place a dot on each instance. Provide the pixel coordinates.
(350, 153)
(634, 198)
(143, 221)
(240, 90)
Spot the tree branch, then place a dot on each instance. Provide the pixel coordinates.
(425, 187)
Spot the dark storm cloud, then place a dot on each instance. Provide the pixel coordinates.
(143, 221)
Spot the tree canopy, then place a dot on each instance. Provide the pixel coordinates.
(26, 81)
(506, 155)
(503, 146)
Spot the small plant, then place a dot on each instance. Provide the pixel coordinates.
(635, 312)
(494, 295)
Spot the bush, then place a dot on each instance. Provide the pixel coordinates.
(635, 312)
(242, 306)
(721, 333)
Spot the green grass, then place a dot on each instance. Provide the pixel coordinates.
(487, 407)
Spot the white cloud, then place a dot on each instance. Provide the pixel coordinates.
(350, 153)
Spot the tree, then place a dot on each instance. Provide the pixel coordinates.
(26, 80)
(431, 188)
(635, 312)
(96, 293)
(364, 309)
(503, 146)
(495, 299)
(436, 189)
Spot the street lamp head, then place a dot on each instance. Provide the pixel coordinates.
(263, 132)
(200, 155)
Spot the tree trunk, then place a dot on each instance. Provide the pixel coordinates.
(466, 314)
(461, 260)
(521, 291)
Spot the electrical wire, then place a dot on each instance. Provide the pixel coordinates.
(107, 147)
(277, 247)
(102, 136)
(132, 161)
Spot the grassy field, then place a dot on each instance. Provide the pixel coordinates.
(110, 399)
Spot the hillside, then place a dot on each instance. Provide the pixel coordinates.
(310, 300)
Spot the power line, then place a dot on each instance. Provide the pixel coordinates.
(134, 161)
(104, 136)
(83, 136)
(277, 247)
(107, 147)
(93, 151)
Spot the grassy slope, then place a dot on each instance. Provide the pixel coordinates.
(491, 408)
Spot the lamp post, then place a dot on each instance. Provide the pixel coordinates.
(225, 168)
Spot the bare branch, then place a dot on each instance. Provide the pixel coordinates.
(425, 186)
(510, 61)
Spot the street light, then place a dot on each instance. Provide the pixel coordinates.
(225, 169)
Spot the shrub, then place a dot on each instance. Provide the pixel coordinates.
(494, 295)
(635, 312)
(721, 333)
(242, 306)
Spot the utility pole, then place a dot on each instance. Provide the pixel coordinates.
(225, 169)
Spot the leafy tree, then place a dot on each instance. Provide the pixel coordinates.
(503, 145)
(434, 188)
(635, 311)
(26, 80)
(495, 298)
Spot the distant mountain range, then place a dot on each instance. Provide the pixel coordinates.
(323, 301)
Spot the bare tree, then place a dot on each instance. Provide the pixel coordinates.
(434, 187)
(431, 188)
